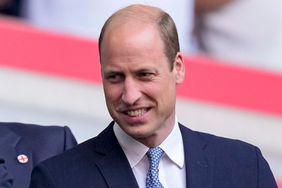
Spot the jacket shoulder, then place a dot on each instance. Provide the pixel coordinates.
(231, 158)
(54, 139)
(216, 142)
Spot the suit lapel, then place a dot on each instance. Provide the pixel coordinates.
(199, 165)
(114, 165)
(11, 146)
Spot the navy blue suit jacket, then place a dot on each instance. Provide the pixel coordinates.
(36, 142)
(210, 162)
(5, 178)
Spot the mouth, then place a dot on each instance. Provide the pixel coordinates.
(137, 112)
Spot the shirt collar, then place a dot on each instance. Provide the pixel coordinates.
(135, 151)
(173, 146)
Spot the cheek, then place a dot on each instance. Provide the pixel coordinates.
(159, 91)
(112, 94)
(165, 86)
(166, 92)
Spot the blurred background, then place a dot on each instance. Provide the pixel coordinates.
(50, 73)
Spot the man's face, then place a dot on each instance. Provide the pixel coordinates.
(139, 85)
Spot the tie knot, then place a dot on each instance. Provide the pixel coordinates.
(155, 154)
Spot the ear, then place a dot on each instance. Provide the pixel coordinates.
(179, 68)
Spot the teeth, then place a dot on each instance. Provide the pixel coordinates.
(138, 112)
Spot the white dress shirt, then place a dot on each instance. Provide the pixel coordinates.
(172, 165)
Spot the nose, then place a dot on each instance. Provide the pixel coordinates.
(131, 92)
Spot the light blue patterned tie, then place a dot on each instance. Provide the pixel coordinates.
(152, 179)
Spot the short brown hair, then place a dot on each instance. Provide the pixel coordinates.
(163, 21)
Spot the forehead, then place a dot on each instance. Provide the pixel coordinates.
(135, 45)
(128, 36)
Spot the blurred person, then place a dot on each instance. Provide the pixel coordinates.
(22, 146)
(86, 18)
(10, 7)
(247, 32)
(145, 145)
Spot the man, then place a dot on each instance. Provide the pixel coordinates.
(22, 146)
(141, 66)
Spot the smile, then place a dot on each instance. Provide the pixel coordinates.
(136, 113)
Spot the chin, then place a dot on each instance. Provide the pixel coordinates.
(137, 133)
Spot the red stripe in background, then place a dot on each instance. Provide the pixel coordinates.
(23, 47)
(218, 82)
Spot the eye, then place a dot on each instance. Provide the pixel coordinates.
(145, 75)
(114, 77)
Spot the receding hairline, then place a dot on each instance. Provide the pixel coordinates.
(137, 13)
